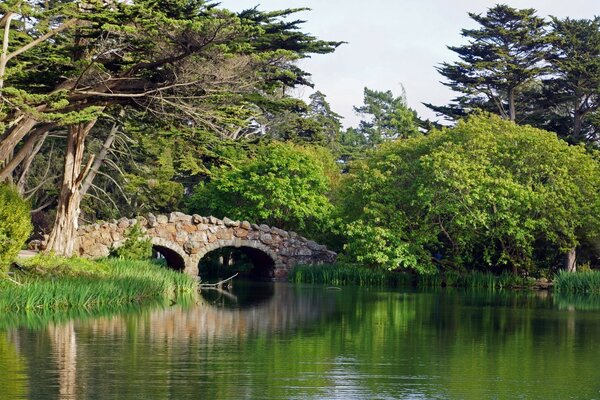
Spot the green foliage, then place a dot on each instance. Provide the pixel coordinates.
(577, 282)
(15, 225)
(503, 56)
(109, 285)
(284, 185)
(387, 117)
(347, 274)
(484, 194)
(135, 247)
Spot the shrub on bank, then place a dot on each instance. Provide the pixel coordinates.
(135, 247)
(15, 225)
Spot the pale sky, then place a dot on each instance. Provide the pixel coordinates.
(393, 43)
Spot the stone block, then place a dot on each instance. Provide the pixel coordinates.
(266, 238)
(240, 232)
(225, 234)
(200, 237)
(305, 252)
(162, 219)
(189, 228)
(228, 222)
(191, 247)
(245, 225)
(152, 220)
(265, 228)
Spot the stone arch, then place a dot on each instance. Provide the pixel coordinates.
(174, 255)
(262, 256)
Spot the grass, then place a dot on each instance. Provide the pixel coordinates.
(57, 284)
(579, 282)
(341, 274)
(347, 274)
(475, 280)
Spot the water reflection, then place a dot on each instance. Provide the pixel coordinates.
(292, 342)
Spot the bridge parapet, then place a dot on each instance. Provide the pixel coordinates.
(191, 237)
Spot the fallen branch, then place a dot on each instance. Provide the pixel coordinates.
(8, 278)
(213, 285)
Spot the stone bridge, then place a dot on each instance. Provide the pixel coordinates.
(184, 239)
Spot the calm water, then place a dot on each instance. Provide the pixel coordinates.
(289, 342)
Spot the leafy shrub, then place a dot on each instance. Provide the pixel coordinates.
(135, 247)
(15, 225)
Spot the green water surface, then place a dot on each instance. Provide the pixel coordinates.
(279, 341)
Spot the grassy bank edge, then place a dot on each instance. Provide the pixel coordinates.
(341, 274)
(47, 283)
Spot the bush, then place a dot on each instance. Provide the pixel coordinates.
(135, 247)
(15, 225)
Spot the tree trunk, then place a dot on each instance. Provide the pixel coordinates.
(511, 104)
(577, 124)
(24, 173)
(66, 223)
(570, 262)
(4, 52)
(24, 152)
(99, 159)
(12, 139)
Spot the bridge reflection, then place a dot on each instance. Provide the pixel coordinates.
(264, 308)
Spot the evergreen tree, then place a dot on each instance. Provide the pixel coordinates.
(503, 56)
(572, 90)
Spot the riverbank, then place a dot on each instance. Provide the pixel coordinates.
(46, 283)
(349, 274)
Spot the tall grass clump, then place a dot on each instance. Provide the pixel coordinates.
(111, 284)
(577, 282)
(15, 225)
(474, 280)
(347, 274)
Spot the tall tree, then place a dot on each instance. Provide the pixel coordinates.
(503, 56)
(187, 60)
(572, 90)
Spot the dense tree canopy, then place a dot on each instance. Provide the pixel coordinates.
(484, 193)
(283, 185)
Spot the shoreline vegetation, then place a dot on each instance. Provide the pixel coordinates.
(347, 274)
(45, 284)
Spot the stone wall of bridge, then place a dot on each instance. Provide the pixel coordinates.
(185, 239)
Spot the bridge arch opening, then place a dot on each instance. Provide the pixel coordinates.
(248, 262)
(172, 258)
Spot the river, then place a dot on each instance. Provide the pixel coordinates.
(281, 341)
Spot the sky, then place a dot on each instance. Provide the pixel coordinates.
(393, 44)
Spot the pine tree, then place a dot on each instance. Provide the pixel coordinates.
(503, 56)
(572, 90)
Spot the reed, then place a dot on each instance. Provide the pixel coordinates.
(49, 284)
(577, 282)
(341, 274)
(474, 280)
